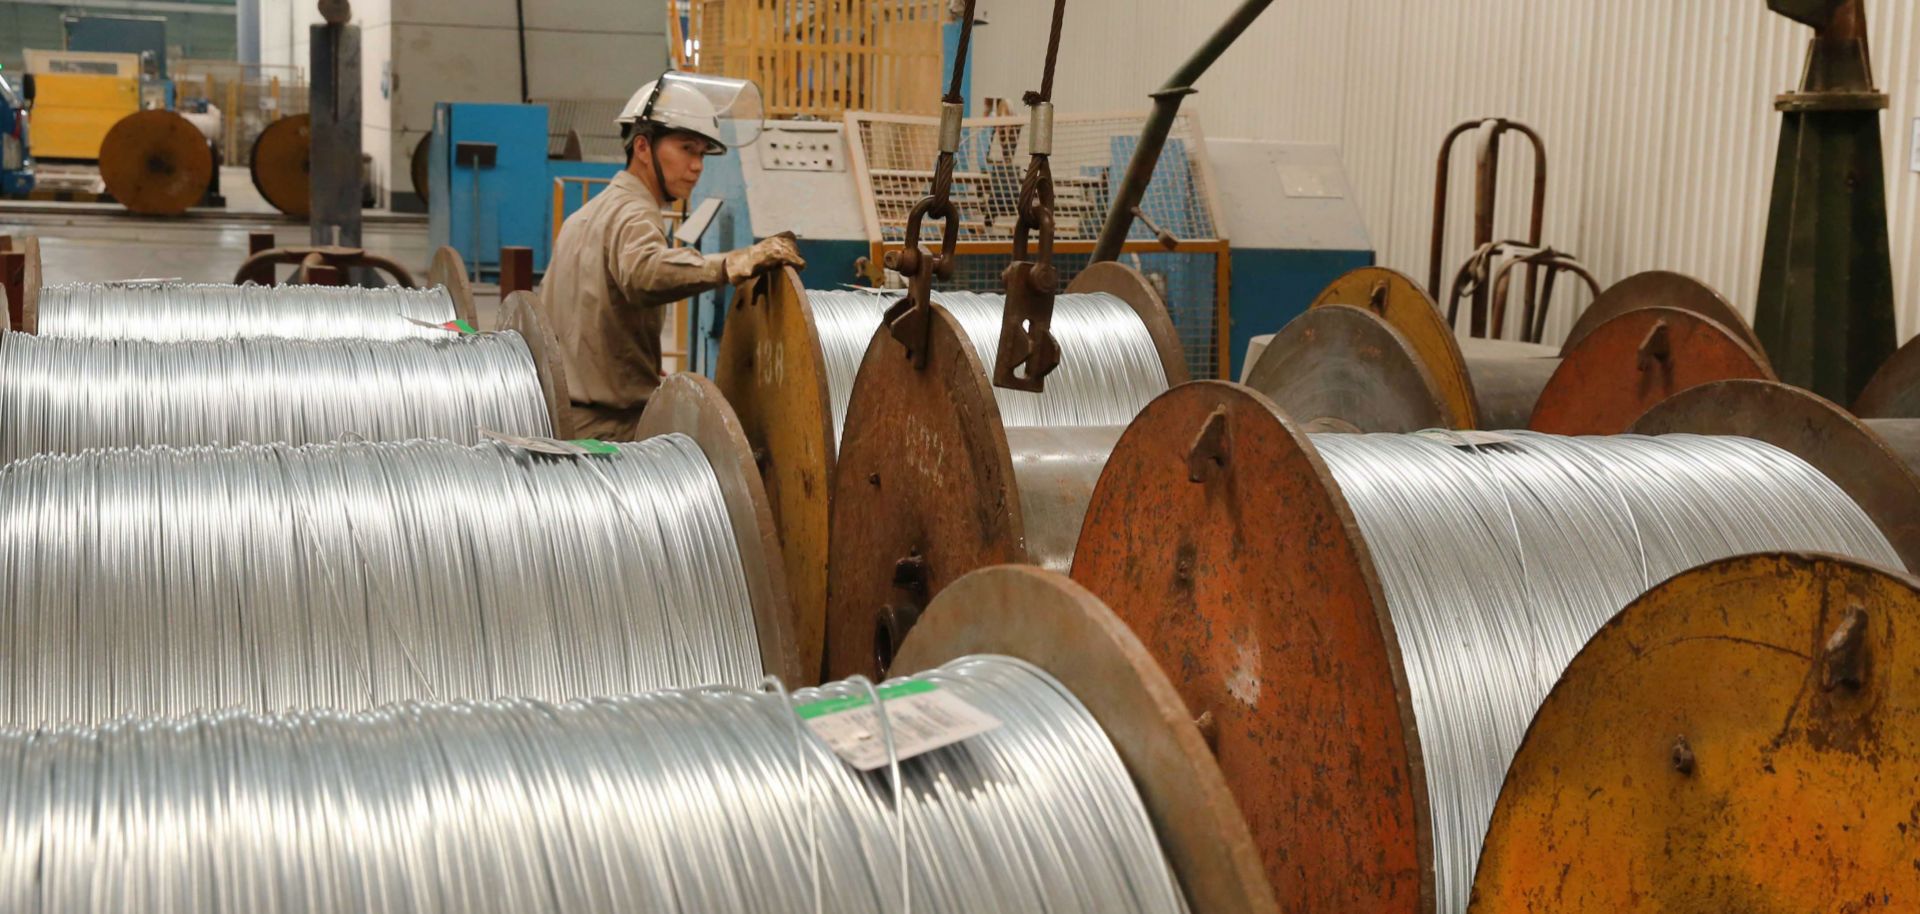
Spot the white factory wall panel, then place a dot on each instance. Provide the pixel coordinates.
(1657, 114)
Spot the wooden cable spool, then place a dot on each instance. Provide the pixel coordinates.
(156, 163)
(1391, 364)
(449, 270)
(1744, 737)
(690, 405)
(520, 313)
(1043, 618)
(929, 484)
(282, 167)
(1207, 471)
(1876, 461)
(1894, 391)
(772, 370)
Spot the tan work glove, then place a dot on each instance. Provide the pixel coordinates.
(764, 256)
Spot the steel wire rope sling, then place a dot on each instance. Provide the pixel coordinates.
(1379, 615)
(1077, 786)
(62, 396)
(175, 312)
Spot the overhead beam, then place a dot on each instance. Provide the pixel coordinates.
(135, 6)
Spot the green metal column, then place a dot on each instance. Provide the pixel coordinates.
(1825, 313)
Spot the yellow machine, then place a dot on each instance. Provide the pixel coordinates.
(81, 95)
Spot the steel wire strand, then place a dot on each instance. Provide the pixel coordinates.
(1109, 367)
(697, 801)
(65, 396)
(1499, 562)
(175, 581)
(170, 312)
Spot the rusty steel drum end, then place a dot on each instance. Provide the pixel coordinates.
(1254, 590)
(773, 372)
(31, 282)
(1743, 737)
(1864, 464)
(1661, 289)
(521, 314)
(1058, 626)
(1639, 358)
(1128, 285)
(1347, 367)
(449, 270)
(156, 163)
(691, 405)
(1894, 392)
(1400, 301)
(924, 477)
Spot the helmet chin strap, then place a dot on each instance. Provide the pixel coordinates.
(659, 178)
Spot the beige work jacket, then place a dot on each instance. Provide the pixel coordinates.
(613, 272)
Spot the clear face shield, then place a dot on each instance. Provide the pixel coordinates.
(728, 111)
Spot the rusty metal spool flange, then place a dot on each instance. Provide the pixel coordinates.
(1744, 737)
(1344, 369)
(1661, 289)
(28, 247)
(1637, 359)
(773, 371)
(156, 163)
(690, 405)
(521, 314)
(1400, 301)
(927, 484)
(1218, 534)
(1876, 462)
(1894, 392)
(449, 270)
(281, 168)
(1049, 621)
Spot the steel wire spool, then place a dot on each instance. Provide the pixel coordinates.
(267, 578)
(167, 312)
(697, 801)
(64, 396)
(789, 358)
(1371, 620)
(941, 474)
(1113, 368)
(1499, 563)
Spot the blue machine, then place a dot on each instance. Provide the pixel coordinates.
(16, 143)
(1294, 227)
(492, 183)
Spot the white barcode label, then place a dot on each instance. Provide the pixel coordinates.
(922, 716)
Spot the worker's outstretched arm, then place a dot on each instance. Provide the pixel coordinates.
(651, 269)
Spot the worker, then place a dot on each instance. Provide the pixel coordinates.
(615, 270)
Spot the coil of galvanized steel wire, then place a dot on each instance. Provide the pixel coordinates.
(268, 578)
(165, 312)
(1372, 620)
(1111, 367)
(63, 396)
(697, 801)
(1499, 561)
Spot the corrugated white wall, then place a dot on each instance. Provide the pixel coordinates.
(1658, 114)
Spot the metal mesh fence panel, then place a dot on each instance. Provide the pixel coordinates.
(894, 155)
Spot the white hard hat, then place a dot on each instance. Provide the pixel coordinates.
(725, 112)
